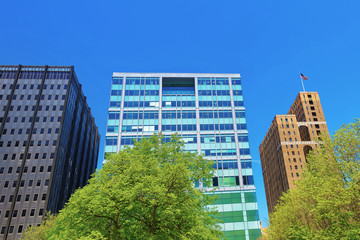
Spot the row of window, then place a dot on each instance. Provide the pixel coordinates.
(231, 164)
(22, 184)
(22, 97)
(18, 198)
(142, 80)
(175, 114)
(36, 155)
(172, 92)
(32, 86)
(23, 212)
(33, 169)
(213, 81)
(141, 93)
(187, 127)
(30, 119)
(220, 103)
(130, 104)
(225, 152)
(32, 143)
(35, 131)
(135, 104)
(141, 115)
(178, 104)
(183, 127)
(26, 108)
(216, 127)
(232, 181)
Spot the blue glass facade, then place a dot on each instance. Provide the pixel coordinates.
(207, 110)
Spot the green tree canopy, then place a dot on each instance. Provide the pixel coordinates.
(325, 204)
(144, 192)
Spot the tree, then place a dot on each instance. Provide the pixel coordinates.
(144, 192)
(39, 232)
(325, 204)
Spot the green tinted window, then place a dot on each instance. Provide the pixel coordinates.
(236, 216)
(254, 234)
(252, 215)
(250, 197)
(235, 235)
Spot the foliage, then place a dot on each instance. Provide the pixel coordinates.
(39, 232)
(325, 204)
(144, 192)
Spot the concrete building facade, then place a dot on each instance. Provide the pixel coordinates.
(49, 143)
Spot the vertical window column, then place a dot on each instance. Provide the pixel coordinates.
(160, 103)
(238, 156)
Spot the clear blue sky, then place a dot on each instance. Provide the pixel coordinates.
(267, 42)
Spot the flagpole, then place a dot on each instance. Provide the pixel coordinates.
(302, 81)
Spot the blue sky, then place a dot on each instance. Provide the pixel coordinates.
(267, 42)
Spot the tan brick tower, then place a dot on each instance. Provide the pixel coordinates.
(288, 140)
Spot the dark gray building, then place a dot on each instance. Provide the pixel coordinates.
(49, 143)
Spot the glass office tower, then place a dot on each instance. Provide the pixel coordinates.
(207, 110)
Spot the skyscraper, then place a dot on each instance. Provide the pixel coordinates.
(49, 143)
(287, 142)
(208, 111)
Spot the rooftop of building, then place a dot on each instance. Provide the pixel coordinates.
(133, 74)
